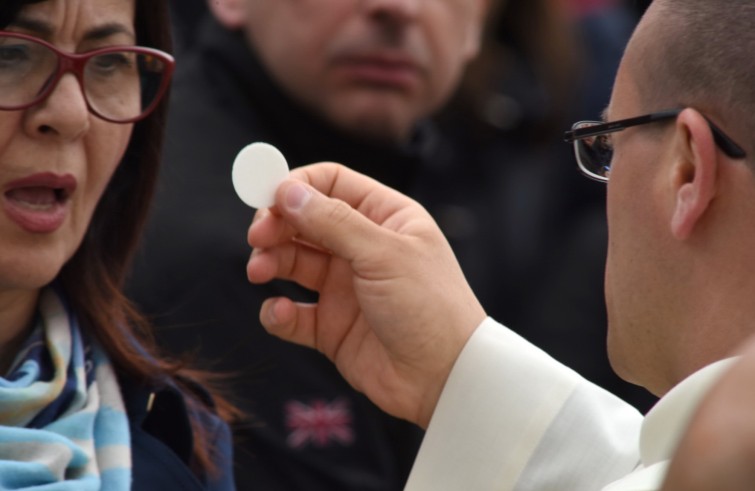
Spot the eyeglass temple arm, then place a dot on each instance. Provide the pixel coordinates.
(725, 143)
(729, 147)
(601, 129)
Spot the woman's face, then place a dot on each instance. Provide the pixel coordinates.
(56, 158)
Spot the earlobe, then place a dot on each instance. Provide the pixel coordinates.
(694, 172)
(230, 13)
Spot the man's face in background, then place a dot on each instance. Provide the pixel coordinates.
(371, 67)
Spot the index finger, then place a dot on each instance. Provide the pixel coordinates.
(371, 198)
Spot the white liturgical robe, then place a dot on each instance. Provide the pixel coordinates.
(512, 418)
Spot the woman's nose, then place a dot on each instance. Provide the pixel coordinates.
(64, 113)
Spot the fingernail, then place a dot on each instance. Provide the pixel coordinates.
(269, 313)
(260, 215)
(297, 196)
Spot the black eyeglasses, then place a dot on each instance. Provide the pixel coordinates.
(594, 150)
(121, 84)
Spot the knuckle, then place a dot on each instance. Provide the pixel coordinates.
(339, 212)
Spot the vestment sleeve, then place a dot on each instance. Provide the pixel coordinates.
(512, 418)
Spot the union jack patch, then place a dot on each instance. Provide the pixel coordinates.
(322, 424)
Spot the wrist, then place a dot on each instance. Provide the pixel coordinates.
(429, 398)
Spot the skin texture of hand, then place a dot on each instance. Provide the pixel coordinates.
(394, 308)
(718, 449)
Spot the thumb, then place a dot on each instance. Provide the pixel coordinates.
(326, 222)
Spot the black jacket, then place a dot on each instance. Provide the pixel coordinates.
(162, 441)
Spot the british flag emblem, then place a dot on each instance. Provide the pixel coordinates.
(320, 423)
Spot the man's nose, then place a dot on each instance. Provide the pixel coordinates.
(397, 10)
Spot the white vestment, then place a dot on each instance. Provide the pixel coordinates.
(512, 418)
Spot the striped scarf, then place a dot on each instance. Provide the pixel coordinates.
(63, 425)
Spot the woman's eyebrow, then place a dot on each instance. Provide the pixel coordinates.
(45, 29)
(39, 27)
(105, 31)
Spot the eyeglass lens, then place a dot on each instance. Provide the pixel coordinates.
(118, 85)
(594, 153)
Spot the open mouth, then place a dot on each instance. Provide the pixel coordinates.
(39, 203)
(38, 197)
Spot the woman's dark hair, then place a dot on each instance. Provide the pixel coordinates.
(9, 9)
(94, 277)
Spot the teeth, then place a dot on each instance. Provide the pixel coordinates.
(37, 198)
(36, 206)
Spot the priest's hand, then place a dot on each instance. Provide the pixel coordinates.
(394, 308)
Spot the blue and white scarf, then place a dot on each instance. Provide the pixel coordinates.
(63, 424)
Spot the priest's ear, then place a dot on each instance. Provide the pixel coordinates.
(694, 172)
(230, 13)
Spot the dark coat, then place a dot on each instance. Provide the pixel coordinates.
(162, 442)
